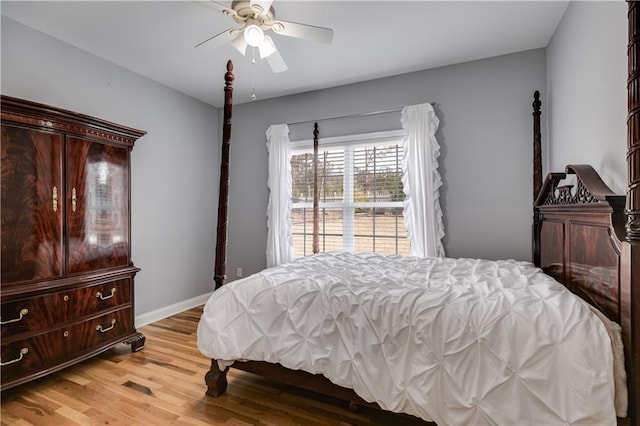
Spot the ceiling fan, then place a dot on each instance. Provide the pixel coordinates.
(255, 19)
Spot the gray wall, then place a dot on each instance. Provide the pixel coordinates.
(174, 166)
(586, 90)
(485, 136)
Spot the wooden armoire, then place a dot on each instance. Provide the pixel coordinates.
(66, 285)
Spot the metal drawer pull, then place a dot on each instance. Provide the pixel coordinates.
(104, 330)
(23, 352)
(99, 294)
(23, 312)
(74, 199)
(54, 194)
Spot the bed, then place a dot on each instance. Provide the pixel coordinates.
(586, 243)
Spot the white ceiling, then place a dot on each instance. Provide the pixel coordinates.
(372, 39)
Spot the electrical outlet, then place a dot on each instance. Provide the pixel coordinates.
(239, 273)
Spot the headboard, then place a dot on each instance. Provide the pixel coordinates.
(580, 240)
(578, 235)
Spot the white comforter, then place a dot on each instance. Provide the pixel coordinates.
(456, 341)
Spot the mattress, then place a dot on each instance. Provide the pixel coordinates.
(455, 341)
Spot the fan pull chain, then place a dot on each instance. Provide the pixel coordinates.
(253, 74)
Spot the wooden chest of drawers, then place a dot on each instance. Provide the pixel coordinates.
(38, 351)
(67, 279)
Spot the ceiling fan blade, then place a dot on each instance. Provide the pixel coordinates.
(219, 7)
(219, 39)
(276, 62)
(304, 31)
(261, 7)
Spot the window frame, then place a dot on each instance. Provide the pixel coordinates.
(348, 205)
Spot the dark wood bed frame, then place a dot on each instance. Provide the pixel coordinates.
(584, 235)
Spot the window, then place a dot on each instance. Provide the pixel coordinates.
(360, 186)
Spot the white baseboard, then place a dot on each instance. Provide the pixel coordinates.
(167, 311)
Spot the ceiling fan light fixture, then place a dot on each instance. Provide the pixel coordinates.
(254, 17)
(253, 35)
(267, 47)
(240, 45)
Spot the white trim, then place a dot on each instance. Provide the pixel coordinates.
(167, 311)
(373, 138)
(359, 204)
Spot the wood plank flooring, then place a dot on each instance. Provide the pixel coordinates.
(164, 385)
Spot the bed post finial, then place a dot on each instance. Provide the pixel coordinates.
(228, 77)
(223, 196)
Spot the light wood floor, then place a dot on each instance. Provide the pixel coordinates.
(164, 385)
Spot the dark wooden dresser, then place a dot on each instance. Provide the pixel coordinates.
(66, 285)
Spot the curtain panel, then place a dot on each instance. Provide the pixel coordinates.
(420, 178)
(421, 181)
(279, 228)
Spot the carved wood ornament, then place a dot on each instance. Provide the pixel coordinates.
(589, 188)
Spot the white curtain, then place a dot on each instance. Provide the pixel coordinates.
(279, 232)
(421, 181)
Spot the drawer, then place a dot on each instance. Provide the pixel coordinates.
(44, 311)
(64, 345)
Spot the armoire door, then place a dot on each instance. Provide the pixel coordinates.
(97, 206)
(32, 204)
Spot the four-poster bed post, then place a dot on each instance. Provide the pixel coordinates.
(537, 146)
(216, 381)
(633, 126)
(537, 173)
(223, 196)
(316, 191)
(630, 293)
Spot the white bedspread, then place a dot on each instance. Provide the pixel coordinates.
(456, 341)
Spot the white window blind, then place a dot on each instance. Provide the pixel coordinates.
(361, 195)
